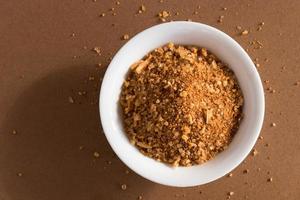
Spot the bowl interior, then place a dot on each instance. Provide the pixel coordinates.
(229, 52)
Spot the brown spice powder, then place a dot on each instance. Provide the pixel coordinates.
(181, 105)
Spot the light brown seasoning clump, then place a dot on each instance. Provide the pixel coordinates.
(181, 105)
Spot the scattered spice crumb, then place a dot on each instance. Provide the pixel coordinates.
(230, 175)
(259, 169)
(259, 43)
(96, 154)
(198, 6)
(102, 15)
(73, 34)
(195, 13)
(270, 179)
(297, 83)
(123, 186)
(125, 37)
(14, 132)
(163, 15)
(127, 172)
(245, 32)
(273, 124)
(142, 9)
(19, 174)
(230, 193)
(224, 8)
(267, 144)
(114, 14)
(81, 93)
(257, 65)
(97, 50)
(238, 27)
(140, 197)
(254, 152)
(71, 100)
(176, 13)
(246, 171)
(112, 9)
(220, 20)
(260, 25)
(81, 148)
(118, 3)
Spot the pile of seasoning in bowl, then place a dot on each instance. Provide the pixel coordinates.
(181, 105)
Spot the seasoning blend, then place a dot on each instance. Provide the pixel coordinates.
(181, 105)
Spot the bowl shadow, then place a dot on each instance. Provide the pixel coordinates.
(52, 154)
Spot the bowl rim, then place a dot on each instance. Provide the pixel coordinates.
(105, 84)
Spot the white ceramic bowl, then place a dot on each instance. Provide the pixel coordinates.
(229, 52)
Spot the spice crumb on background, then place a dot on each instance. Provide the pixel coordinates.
(261, 137)
(273, 124)
(70, 99)
(97, 50)
(230, 193)
(125, 37)
(142, 9)
(81, 147)
(140, 197)
(220, 20)
(254, 152)
(245, 32)
(163, 15)
(193, 105)
(96, 154)
(123, 186)
(270, 179)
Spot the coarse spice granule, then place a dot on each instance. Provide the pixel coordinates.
(181, 105)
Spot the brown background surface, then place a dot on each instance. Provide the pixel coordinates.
(42, 64)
